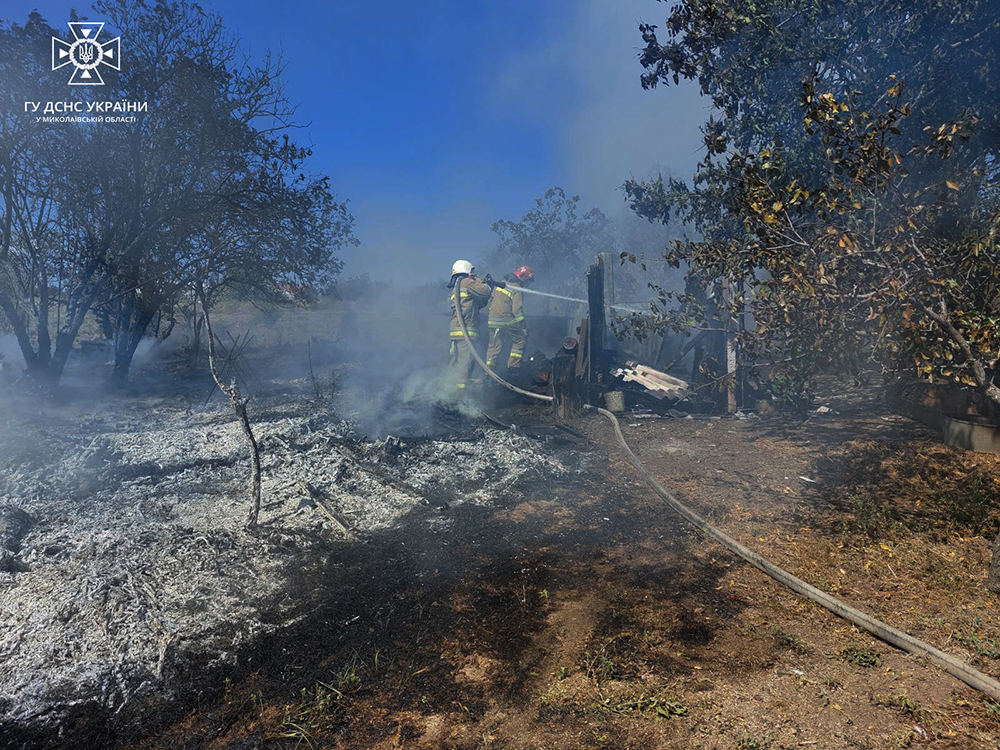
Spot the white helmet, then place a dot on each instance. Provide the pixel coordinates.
(462, 266)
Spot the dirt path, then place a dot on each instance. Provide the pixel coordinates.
(583, 615)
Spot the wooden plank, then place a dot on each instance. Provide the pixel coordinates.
(662, 376)
(659, 384)
(657, 389)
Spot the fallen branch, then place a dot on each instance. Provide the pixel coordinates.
(319, 498)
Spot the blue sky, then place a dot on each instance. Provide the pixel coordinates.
(438, 118)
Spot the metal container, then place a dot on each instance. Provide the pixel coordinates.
(615, 401)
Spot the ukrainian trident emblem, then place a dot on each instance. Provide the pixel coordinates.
(86, 54)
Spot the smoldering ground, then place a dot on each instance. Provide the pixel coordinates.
(136, 579)
(391, 355)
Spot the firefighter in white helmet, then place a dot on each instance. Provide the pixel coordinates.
(475, 296)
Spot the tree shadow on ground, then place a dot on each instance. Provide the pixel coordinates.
(879, 474)
(907, 484)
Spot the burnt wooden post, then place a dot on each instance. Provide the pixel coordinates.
(609, 280)
(596, 329)
(583, 351)
(566, 393)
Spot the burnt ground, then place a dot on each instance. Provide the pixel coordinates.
(128, 580)
(570, 609)
(582, 614)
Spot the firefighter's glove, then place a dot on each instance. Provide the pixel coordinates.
(494, 284)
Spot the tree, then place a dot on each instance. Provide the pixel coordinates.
(873, 254)
(212, 181)
(554, 239)
(288, 239)
(49, 268)
(850, 178)
(204, 188)
(239, 403)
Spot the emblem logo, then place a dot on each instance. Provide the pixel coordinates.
(86, 54)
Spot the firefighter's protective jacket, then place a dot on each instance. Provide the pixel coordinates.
(507, 308)
(475, 296)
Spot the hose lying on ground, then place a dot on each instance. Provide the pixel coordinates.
(956, 668)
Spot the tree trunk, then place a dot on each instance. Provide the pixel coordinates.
(980, 374)
(44, 378)
(199, 323)
(132, 316)
(126, 342)
(46, 368)
(103, 315)
(162, 334)
(20, 328)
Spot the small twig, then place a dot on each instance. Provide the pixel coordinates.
(222, 374)
(240, 407)
(319, 396)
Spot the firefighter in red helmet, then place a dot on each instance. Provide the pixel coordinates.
(506, 320)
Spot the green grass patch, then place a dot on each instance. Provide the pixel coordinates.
(747, 741)
(789, 640)
(979, 646)
(860, 656)
(650, 707)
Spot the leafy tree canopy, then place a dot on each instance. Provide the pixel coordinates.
(554, 239)
(849, 182)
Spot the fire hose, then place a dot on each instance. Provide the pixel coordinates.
(955, 667)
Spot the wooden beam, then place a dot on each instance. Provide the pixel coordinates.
(566, 395)
(598, 324)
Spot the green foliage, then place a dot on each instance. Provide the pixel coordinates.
(980, 636)
(971, 506)
(978, 645)
(859, 656)
(203, 189)
(648, 706)
(850, 179)
(789, 640)
(324, 705)
(871, 514)
(554, 239)
(907, 704)
(747, 741)
(791, 382)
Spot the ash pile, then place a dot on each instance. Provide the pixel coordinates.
(125, 558)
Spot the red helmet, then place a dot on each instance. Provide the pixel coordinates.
(524, 274)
